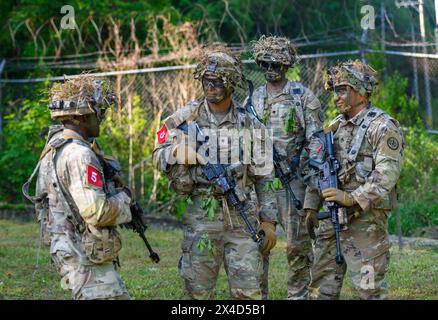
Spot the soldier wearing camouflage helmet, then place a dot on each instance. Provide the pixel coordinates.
(368, 144)
(294, 113)
(214, 233)
(77, 208)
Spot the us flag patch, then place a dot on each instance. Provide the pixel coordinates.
(93, 177)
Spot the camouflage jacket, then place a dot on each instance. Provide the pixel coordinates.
(251, 175)
(369, 148)
(72, 176)
(294, 115)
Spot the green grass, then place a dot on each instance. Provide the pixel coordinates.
(412, 275)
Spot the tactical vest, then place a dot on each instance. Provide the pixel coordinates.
(356, 160)
(101, 245)
(297, 90)
(51, 149)
(295, 93)
(192, 113)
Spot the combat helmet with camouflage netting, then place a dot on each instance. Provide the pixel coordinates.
(79, 96)
(219, 61)
(354, 73)
(274, 49)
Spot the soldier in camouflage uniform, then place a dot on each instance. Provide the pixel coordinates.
(294, 114)
(369, 144)
(214, 233)
(77, 208)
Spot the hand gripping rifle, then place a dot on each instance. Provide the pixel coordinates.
(281, 171)
(217, 173)
(328, 178)
(137, 223)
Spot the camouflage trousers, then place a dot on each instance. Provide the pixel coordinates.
(87, 281)
(365, 247)
(208, 244)
(299, 246)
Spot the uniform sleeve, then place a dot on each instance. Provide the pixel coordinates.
(161, 157)
(388, 157)
(261, 172)
(84, 176)
(314, 117)
(168, 138)
(164, 160)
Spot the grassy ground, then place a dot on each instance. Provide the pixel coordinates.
(412, 275)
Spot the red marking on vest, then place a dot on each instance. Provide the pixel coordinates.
(94, 177)
(162, 134)
(318, 151)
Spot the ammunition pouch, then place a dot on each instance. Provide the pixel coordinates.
(101, 245)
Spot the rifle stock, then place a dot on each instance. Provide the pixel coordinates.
(139, 226)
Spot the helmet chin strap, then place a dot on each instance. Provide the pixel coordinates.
(353, 106)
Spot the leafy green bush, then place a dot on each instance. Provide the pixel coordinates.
(415, 215)
(24, 138)
(391, 96)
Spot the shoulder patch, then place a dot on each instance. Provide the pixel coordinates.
(297, 88)
(94, 177)
(393, 143)
(162, 134)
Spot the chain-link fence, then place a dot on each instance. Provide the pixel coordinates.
(148, 95)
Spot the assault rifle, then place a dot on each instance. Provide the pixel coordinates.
(217, 173)
(137, 224)
(281, 171)
(328, 178)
